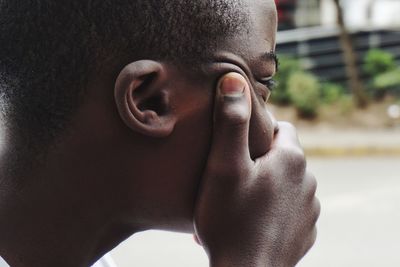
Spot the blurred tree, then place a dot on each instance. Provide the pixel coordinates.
(387, 79)
(331, 92)
(350, 58)
(304, 91)
(287, 66)
(378, 61)
(385, 74)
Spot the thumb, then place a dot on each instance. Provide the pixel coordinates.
(232, 114)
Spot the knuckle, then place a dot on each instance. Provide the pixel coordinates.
(298, 156)
(313, 237)
(289, 164)
(287, 126)
(312, 184)
(296, 162)
(316, 210)
(309, 241)
(295, 155)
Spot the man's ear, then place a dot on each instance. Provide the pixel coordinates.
(142, 98)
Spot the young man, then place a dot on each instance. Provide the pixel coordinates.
(124, 116)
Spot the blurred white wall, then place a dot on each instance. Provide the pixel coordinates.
(385, 13)
(328, 13)
(363, 13)
(307, 13)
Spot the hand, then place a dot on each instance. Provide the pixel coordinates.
(253, 213)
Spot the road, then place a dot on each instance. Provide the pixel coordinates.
(359, 223)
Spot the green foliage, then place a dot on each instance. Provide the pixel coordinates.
(378, 61)
(287, 66)
(304, 92)
(389, 79)
(331, 92)
(383, 71)
(346, 104)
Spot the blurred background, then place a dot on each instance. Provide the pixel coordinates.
(339, 83)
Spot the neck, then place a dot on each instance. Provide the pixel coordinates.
(56, 218)
(50, 232)
(45, 237)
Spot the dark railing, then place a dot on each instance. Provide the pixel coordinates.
(320, 52)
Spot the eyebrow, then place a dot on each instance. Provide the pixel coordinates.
(271, 56)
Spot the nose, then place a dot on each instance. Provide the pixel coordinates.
(263, 126)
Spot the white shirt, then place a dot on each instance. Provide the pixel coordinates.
(3, 263)
(106, 261)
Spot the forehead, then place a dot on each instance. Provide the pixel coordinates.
(252, 45)
(249, 45)
(260, 33)
(263, 24)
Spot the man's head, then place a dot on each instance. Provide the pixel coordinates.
(125, 89)
(50, 51)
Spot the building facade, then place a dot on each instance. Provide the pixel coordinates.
(358, 14)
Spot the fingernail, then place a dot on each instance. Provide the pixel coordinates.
(233, 84)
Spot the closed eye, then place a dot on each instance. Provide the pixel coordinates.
(268, 82)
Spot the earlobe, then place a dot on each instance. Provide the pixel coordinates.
(143, 99)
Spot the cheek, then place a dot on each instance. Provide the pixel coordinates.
(194, 143)
(189, 149)
(194, 139)
(194, 131)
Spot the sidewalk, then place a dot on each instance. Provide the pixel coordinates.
(336, 142)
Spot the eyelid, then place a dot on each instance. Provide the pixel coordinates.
(266, 79)
(238, 66)
(269, 82)
(242, 68)
(269, 85)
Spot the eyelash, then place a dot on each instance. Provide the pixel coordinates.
(269, 83)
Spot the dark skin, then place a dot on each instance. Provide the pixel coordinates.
(248, 211)
(138, 149)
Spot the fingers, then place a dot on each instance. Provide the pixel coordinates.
(286, 158)
(232, 114)
(275, 123)
(286, 136)
(286, 147)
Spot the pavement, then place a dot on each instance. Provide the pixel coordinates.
(350, 142)
(360, 218)
(358, 226)
(359, 189)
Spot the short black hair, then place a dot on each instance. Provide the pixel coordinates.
(49, 48)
